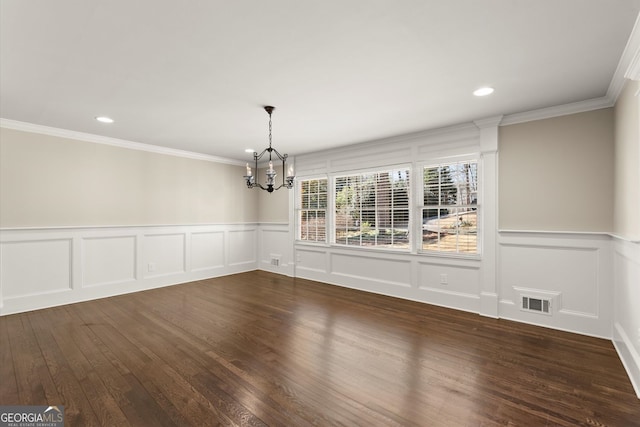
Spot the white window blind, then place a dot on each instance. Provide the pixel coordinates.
(312, 211)
(372, 209)
(450, 211)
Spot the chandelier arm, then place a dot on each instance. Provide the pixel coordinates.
(258, 157)
(282, 157)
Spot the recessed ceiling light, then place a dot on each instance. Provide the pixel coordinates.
(104, 119)
(483, 91)
(249, 150)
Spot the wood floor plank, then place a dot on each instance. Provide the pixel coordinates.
(113, 374)
(8, 385)
(262, 349)
(62, 375)
(147, 403)
(35, 386)
(106, 408)
(165, 360)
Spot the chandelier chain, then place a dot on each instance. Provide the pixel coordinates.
(269, 131)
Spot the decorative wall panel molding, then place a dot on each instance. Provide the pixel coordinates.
(371, 268)
(410, 276)
(207, 250)
(574, 269)
(276, 249)
(164, 254)
(52, 266)
(626, 321)
(108, 260)
(242, 248)
(43, 265)
(312, 261)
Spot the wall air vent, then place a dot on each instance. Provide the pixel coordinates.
(537, 305)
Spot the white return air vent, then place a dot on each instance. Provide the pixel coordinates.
(275, 260)
(538, 300)
(538, 305)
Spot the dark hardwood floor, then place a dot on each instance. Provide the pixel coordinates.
(262, 349)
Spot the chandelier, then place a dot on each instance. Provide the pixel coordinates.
(287, 182)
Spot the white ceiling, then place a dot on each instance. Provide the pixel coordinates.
(194, 75)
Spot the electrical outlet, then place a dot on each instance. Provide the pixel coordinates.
(151, 267)
(444, 279)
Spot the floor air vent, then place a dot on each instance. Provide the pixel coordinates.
(537, 305)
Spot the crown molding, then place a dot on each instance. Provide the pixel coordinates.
(629, 64)
(121, 143)
(558, 110)
(633, 72)
(488, 122)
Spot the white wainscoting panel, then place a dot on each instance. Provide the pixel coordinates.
(369, 269)
(164, 254)
(312, 262)
(53, 266)
(108, 260)
(575, 269)
(626, 331)
(239, 241)
(44, 267)
(404, 275)
(207, 250)
(451, 283)
(276, 248)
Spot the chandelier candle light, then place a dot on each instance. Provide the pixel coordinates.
(271, 173)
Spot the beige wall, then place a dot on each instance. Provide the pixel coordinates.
(557, 174)
(627, 163)
(50, 181)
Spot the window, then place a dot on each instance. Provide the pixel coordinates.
(313, 210)
(372, 209)
(450, 211)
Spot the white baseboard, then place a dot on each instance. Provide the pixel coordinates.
(628, 355)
